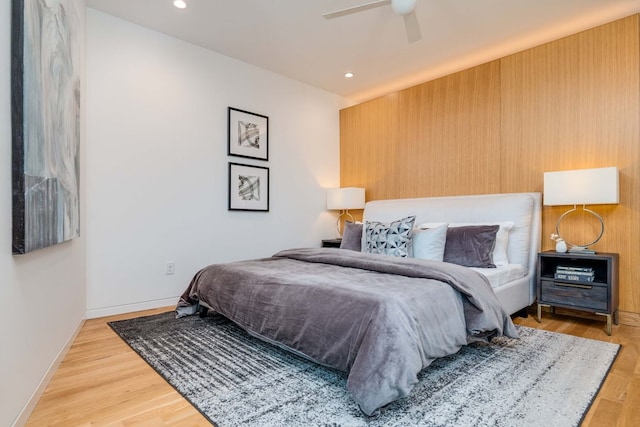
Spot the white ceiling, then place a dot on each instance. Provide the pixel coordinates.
(290, 37)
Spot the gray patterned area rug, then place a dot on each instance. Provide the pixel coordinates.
(233, 379)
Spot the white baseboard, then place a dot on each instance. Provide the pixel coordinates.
(24, 415)
(129, 308)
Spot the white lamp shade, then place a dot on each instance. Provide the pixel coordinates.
(581, 187)
(345, 198)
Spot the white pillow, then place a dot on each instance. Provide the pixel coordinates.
(502, 239)
(428, 243)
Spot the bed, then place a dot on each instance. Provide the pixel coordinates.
(515, 290)
(380, 318)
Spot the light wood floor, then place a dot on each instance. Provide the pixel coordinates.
(102, 382)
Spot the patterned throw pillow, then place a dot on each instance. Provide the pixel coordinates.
(389, 239)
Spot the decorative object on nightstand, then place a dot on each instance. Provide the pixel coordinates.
(561, 245)
(586, 282)
(343, 199)
(581, 187)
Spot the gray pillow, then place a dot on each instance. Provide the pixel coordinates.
(471, 246)
(394, 238)
(352, 236)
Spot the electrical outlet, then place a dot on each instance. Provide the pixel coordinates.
(170, 267)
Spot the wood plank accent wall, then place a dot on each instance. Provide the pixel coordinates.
(417, 142)
(569, 104)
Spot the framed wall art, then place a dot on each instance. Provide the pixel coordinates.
(248, 188)
(248, 134)
(46, 46)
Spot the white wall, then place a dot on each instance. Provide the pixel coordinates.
(42, 294)
(157, 164)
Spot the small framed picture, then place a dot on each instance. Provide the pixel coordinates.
(248, 134)
(248, 188)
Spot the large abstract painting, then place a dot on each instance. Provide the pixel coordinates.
(46, 37)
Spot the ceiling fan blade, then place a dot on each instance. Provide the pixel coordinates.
(355, 9)
(412, 26)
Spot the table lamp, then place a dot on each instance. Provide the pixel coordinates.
(343, 199)
(581, 187)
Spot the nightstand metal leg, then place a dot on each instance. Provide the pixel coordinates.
(609, 319)
(539, 317)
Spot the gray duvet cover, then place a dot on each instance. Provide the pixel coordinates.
(381, 319)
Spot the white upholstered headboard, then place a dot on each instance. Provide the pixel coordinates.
(523, 209)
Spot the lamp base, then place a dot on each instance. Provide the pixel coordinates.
(582, 250)
(343, 212)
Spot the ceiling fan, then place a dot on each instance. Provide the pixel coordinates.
(404, 8)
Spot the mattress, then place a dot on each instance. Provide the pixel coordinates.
(503, 274)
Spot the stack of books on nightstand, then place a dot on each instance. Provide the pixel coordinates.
(576, 274)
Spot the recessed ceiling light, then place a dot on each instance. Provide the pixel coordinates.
(180, 4)
(349, 75)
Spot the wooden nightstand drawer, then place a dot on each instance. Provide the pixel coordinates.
(582, 295)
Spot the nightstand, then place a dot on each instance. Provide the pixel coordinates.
(331, 243)
(587, 282)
